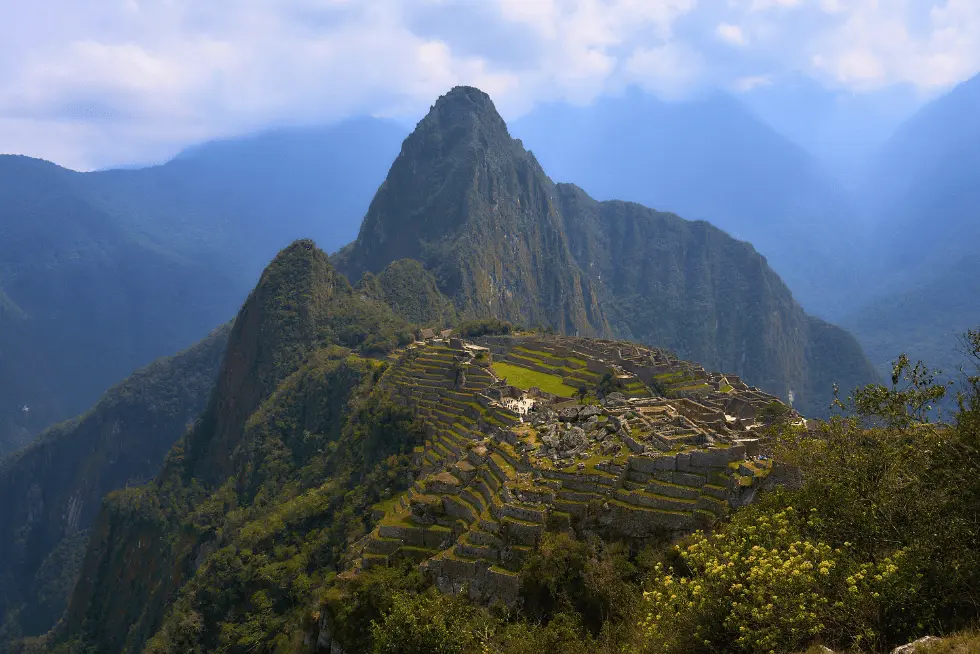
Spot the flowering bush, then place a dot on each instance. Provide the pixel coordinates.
(760, 586)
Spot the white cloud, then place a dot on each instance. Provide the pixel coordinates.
(833, 6)
(748, 83)
(763, 5)
(669, 70)
(877, 43)
(731, 34)
(89, 84)
(179, 67)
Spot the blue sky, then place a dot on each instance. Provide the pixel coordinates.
(100, 82)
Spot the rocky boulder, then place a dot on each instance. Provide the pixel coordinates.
(573, 439)
(921, 645)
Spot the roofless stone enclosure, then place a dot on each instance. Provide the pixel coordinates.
(514, 447)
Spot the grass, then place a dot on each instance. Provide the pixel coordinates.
(386, 505)
(963, 643)
(693, 387)
(524, 378)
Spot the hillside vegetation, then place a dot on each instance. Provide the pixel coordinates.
(255, 535)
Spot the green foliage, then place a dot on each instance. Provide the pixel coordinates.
(593, 580)
(761, 585)
(910, 401)
(352, 606)
(774, 413)
(411, 292)
(395, 609)
(288, 529)
(608, 384)
(526, 378)
(484, 327)
(885, 479)
(426, 623)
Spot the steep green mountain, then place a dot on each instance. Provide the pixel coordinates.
(86, 301)
(53, 488)
(503, 240)
(712, 159)
(289, 347)
(312, 440)
(103, 272)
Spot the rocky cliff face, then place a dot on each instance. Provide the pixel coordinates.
(692, 288)
(503, 240)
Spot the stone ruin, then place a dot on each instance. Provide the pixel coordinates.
(670, 450)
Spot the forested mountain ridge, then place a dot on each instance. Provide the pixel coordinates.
(503, 240)
(301, 306)
(411, 291)
(299, 439)
(53, 488)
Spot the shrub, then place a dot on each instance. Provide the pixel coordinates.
(761, 586)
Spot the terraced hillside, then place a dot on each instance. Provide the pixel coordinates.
(518, 441)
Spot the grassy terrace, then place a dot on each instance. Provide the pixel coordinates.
(525, 378)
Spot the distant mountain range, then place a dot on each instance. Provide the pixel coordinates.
(101, 273)
(923, 193)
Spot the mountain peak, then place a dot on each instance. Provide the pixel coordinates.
(465, 102)
(465, 95)
(465, 116)
(455, 160)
